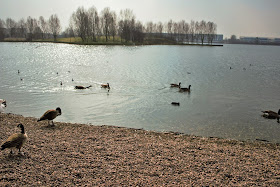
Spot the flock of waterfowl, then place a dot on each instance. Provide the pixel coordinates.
(17, 140)
(174, 85)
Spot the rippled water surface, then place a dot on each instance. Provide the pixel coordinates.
(223, 102)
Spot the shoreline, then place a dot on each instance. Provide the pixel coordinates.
(81, 154)
(115, 44)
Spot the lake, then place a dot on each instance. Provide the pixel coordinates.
(230, 86)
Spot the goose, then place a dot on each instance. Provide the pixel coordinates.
(3, 104)
(271, 114)
(50, 115)
(185, 89)
(16, 140)
(82, 87)
(105, 86)
(175, 85)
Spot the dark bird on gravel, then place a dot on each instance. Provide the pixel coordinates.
(175, 85)
(271, 114)
(185, 89)
(82, 87)
(16, 140)
(50, 115)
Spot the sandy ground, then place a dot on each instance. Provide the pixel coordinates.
(80, 155)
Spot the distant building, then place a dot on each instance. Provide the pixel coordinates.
(259, 40)
(277, 40)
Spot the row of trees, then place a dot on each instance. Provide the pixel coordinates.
(90, 26)
(30, 28)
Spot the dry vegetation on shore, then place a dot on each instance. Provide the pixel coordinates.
(78, 154)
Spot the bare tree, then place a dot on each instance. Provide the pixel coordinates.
(43, 26)
(159, 28)
(212, 31)
(22, 28)
(93, 25)
(175, 30)
(79, 19)
(170, 28)
(138, 33)
(113, 24)
(11, 27)
(192, 31)
(150, 28)
(31, 25)
(2, 30)
(202, 30)
(127, 25)
(106, 21)
(187, 32)
(54, 24)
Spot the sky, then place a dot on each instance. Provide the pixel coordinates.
(256, 18)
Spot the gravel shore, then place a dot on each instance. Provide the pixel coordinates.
(86, 155)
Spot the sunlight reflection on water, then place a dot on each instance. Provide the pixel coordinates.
(223, 102)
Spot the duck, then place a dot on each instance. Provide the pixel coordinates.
(175, 103)
(50, 115)
(185, 89)
(105, 86)
(175, 85)
(3, 104)
(271, 114)
(82, 87)
(16, 140)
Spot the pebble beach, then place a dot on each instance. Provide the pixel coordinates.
(87, 155)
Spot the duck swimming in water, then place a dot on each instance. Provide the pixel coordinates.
(175, 85)
(105, 85)
(82, 87)
(271, 114)
(185, 89)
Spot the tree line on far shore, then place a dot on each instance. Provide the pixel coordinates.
(91, 26)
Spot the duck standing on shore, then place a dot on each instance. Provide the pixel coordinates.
(3, 104)
(50, 115)
(16, 140)
(271, 114)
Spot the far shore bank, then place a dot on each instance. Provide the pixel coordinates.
(80, 154)
(111, 43)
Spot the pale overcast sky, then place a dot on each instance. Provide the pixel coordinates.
(239, 17)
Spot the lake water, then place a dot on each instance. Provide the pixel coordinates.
(223, 102)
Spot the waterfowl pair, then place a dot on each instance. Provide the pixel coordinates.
(271, 114)
(50, 115)
(82, 87)
(185, 89)
(3, 104)
(16, 140)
